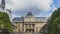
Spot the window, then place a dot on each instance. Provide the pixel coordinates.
(36, 29)
(26, 25)
(33, 25)
(30, 25)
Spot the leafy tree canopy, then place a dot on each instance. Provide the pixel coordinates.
(54, 21)
(5, 21)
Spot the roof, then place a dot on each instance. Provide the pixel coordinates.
(38, 19)
(17, 19)
(41, 19)
(30, 18)
(29, 14)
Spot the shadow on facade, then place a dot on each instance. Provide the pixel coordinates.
(44, 29)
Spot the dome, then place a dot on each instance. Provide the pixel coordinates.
(29, 17)
(29, 14)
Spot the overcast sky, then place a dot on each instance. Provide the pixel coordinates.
(40, 8)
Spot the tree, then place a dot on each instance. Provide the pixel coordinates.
(5, 22)
(54, 21)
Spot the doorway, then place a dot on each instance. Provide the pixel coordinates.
(29, 31)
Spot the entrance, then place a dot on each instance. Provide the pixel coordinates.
(29, 31)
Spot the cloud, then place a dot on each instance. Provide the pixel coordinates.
(18, 4)
(44, 5)
(52, 10)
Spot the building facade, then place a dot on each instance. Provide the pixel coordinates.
(29, 24)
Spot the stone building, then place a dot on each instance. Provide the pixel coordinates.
(29, 24)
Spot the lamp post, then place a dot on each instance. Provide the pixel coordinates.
(19, 29)
(23, 24)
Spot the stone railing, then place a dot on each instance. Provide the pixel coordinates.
(38, 33)
(17, 33)
(25, 33)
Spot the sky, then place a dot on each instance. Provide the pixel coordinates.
(39, 8)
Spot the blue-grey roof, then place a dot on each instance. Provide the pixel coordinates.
(38, 19)
(29, 16)
(17, 19)
(41, 19)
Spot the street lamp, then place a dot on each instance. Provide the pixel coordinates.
(19, 29)
(23, 23)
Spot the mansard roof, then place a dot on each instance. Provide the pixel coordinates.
(17, 19)
(37, 19)
(29, 18)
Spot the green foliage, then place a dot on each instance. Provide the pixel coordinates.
(54, 21)
(5, 22)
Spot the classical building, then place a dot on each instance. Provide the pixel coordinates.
(29, 24)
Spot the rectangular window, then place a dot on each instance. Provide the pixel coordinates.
(26, 25)
(33, 25)
(30, 25)
(36, 29)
